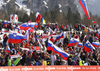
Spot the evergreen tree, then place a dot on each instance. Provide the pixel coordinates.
(3, 15)
(10, 7)
(25, 18)
(47, 17)
(64, 20)
(32, 17)
(86, 21)
(77, 17)
(20, 14)
(52, 16)
(98, 20)
(70, 16)
(59, 15)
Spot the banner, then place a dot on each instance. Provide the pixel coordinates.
(51, 68)
(14, 18)
(15, 56)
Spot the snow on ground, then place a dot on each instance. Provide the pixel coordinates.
(22, 6)
(1, 3)
(8, 1)
(20, 1)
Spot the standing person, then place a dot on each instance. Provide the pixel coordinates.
(53, 58)
(29, 59)
(0, 26)
(14, 26)
(82, 37)
(26, 45)
(62, 27)
(23, 57)
(5, 40)
(65, 42)
(91, 38)
(46, 44)
(52, 39)
(70, 26)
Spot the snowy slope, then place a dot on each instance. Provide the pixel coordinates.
(1, 3)
(19, 3)
(44, 5)
(22, 6)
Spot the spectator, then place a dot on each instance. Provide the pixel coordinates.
(53, 58)
(5, 40)
(52, 40)
(65, 42)
(29, 59)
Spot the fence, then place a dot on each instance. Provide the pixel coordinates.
(51, 68)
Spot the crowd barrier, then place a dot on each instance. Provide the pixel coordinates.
(51, 68)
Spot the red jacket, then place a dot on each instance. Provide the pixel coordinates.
(52, 40)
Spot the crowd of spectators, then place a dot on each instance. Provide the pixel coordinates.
(33, 58)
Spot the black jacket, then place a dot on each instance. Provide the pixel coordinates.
(65, 41)
(5, 39)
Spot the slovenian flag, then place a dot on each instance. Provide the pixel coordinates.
(38, 17)
(96, 38)
(15, 37)
(25, 26)
(80, 45)
(56, 49)
(82, 26)
(97, 34)
(60, 36)
(73, 42)
(95, 44)
(5, 22)
(34, 25)
(94, 22)
(84, 6)
(88, 47)
(8, 50)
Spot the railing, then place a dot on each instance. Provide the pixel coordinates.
(51, 68)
